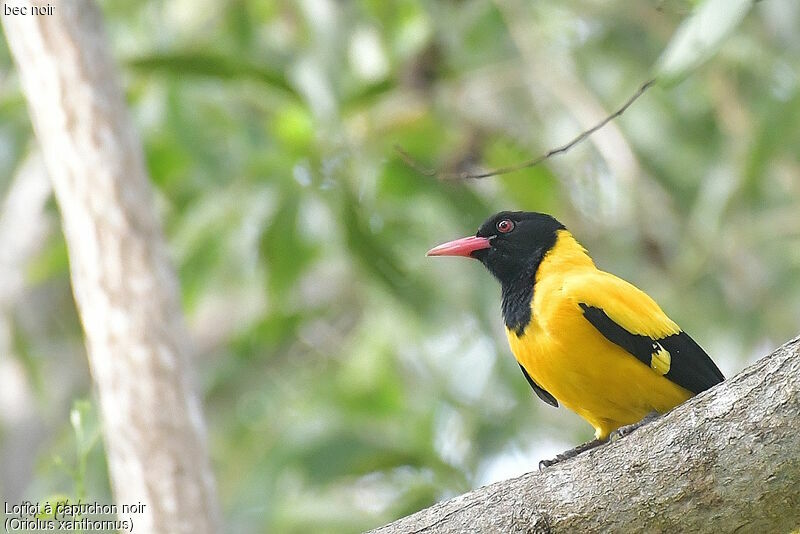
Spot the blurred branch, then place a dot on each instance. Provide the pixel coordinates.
(444, 175)
(124, 285)
(724, 461)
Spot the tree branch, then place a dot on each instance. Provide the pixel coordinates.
(724, 461)
(444, 175)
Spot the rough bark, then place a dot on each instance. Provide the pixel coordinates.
(728, 460)
(124, 285)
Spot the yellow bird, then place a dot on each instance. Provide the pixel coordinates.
(584, 337)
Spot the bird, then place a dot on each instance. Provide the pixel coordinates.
(583, 337)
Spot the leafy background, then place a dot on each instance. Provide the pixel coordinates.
(347, 379)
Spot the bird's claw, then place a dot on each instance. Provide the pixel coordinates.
(570, 453)
(548, 463)
(627, 430)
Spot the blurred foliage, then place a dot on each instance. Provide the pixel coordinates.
(347, 379)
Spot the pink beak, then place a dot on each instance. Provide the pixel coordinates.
(460, 247)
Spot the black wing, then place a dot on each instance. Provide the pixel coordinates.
(689, 366)
(539, 390)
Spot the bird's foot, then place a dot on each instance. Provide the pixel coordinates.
(570, 453)
(623, 431)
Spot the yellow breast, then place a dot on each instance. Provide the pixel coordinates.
(568, 357)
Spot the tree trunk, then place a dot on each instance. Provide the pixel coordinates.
(727, 460)
(124, 285)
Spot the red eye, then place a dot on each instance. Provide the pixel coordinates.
(505, 226)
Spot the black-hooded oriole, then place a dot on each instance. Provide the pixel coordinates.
(583, 337)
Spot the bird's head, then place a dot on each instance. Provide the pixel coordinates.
(510, 244)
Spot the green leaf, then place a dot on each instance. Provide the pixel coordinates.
(268, 336)
(294, 126)
(285, 250)
(50, 504)
(215, 66)
(699, 37)
(377, 257)
(344, 452)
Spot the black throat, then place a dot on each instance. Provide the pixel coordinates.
(518, 296)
